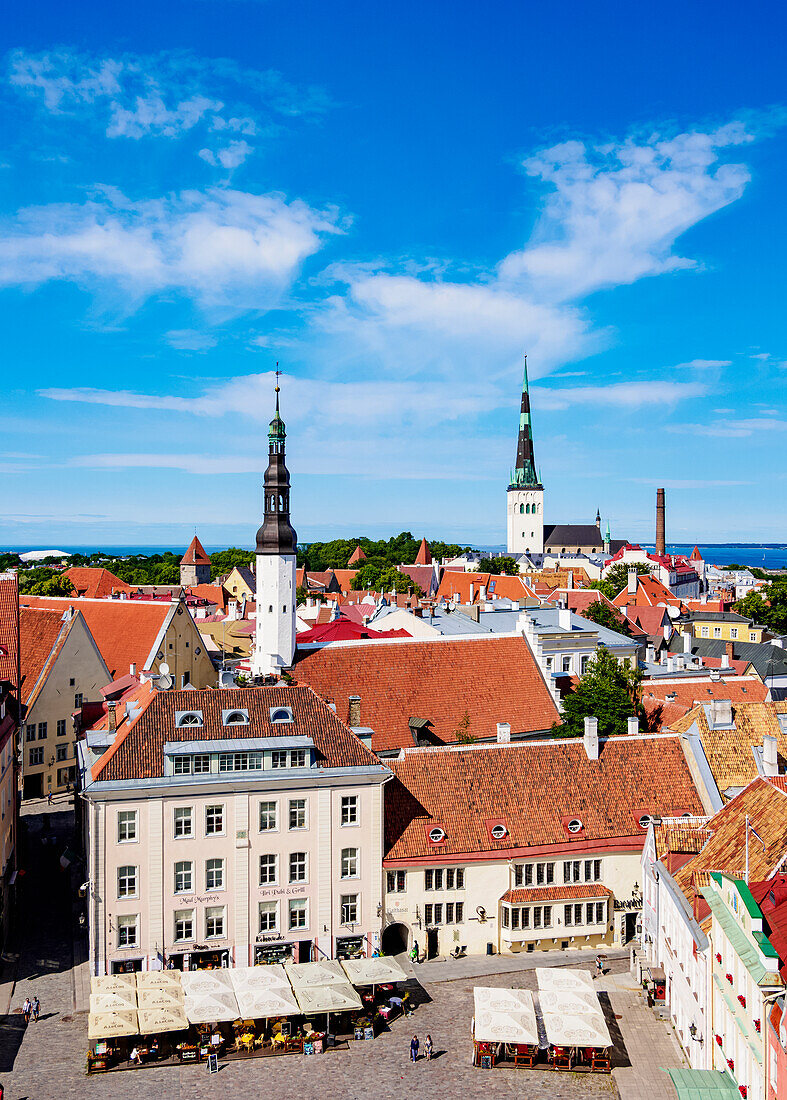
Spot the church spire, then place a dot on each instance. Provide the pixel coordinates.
(524, 476)
(276, 536)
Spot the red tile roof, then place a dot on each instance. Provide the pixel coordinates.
(344, 630)
(489, 679)
(139, 752)
(212, 593)
(687, 693)
(526, 894)
(534, 788)
(124, 630)
(650, 593)
(651, 620)
(357, 555)
(9, 629)
(94, 583)
(422, 575)
(195, 555)
(424, 555)
(39, 632)
(466, 587)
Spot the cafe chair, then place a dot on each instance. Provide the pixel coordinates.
(601, 1061)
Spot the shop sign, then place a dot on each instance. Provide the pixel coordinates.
(283, 892)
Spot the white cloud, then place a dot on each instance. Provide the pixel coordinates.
(186, 339)
(631, 395)
(222, 247)
(732, 429)
(164, 95)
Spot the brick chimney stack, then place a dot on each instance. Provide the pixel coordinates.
(661, 543)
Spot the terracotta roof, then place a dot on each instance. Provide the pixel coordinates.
(729, 752)
(195, 555)
(345, 578)
(139, 753)
(124, 630)
(491, 679)
(40, 632)
(212, 593)
(650, 592)
(357, 555)
(526, 894)
(688, 693)
(695, 554)
(534, 789)
(94, 583)
(422, 575)
(9, 629)
(649, 619)
(344, 630)
(456, 585)
(424, 555)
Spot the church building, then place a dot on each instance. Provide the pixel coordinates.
(526, 531)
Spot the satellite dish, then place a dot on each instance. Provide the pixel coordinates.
(163, 668)
(673, 612)
(164, 682)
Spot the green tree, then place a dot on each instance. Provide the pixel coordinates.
(617, 578)
(462, 734)
(224, 561)
(602, 614)
(380, 577)
(608, 691)
(768, 608)
(496, 566)
(43, 582)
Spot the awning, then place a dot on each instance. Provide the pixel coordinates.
(328, 998)
(211, 1008)
(377, 971)
(112, 1025)
(559, 977)
(126, 1001)
(576, 1030)
(155, 1021)
(166, 999)
(112, 983)
(504, 1016)
(259, 977)
(306, 975)
(702, 1084)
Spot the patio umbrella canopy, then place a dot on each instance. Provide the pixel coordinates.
(150, 999)
(306, 975)
(504, 1016)
(259, 977)
(576, 1030)
(197, 982)
(209, 1008)
(262, 1004)
(159, 979)
(113, 1002)
(327, 998)
(112, 983)
(112, 1025)
(377, 971)
(568, 1001)
(563, 978)
(156, 1021)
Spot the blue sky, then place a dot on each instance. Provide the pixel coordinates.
(396, 203)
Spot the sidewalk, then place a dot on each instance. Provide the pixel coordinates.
(446, 969)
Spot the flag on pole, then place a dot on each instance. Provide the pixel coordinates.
(754, 832)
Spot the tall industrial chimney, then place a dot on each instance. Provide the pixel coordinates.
(661, 544)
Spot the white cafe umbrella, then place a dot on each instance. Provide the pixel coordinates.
(159, 979)
(262, 1004)
(197, 982)
(568, 1000)
(259, 977)
(560, 977)
(112, 1025)
(576, 1030)
(155, 1021)
(374, 971)
(113, 1002)
(151, 999)
(306, 975)
(112, 983)
(504, 1016)
(211, 1008)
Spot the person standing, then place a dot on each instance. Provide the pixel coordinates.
(414, 1044)
(36, 1008)
(599, 966)
(428, 1048)
(27, 1008)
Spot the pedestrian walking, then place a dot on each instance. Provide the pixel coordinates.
(428, 1048)
(49, 799)
(414, 951)
(414, 1044)
(36, 1008)
(27, 1008)
(599, 966)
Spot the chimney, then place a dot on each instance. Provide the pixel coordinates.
(354, 710)
(720, 713)
(570, 580)
(472, 592)
(564, 618)
(112, 717)
(770, 765)
(661, 543)
(687, 642)
(503, 733)
(633, 725)
(591, 738)
(729, 653)
(631, 587)
(670, 664)
(482, 592)
(132, 669)
(650, 654)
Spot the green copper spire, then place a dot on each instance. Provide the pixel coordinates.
(524, 475)
(276, 432)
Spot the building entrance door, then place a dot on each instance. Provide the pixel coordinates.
(33, 786)
(431, 943)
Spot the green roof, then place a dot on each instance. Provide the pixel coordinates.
(741, 945)
(744, 891)
(702, 1084)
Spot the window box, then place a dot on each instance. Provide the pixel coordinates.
(729, 978)
(741, 1000)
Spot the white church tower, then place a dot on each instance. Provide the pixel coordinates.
(525, 499)
(274, 635)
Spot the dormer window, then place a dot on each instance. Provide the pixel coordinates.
(499, 832)
(235, 717)
(574, 825)
(188, 718)
(437, 835)
(281, 714)
(644, 821)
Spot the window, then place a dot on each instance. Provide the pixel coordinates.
(733, 632)
(214, 922)
(584, 661)
(704, 632)
(127, 826)
(433, 914)
(515, 915)
(37, 755)
(281, 714)
(298, 758)
(592, 870)
(268, 916)
(428, 879)
(349, 809)
(506, 917)
(78, 700)
(519, 874)
(571, 871)
(450, 878)
(214, 874)
(127, 931)
(61, 727)
(545, 915)
(189, 718)
(349, 863)
(349, 906)
(42, 731)
(548, 664)
(438, 913)
(538, 916)
(184, 825)
(574, 825)
(459, 911)
(267, 869)
(279, 758)
(240, 761)
(717, 632)
(566, 664)
(184, 925)
(127, 882)
(30, 732)
(268, 817)
(752, 637)
(236, 718)
(201, 763)
(184, 876)
(297, 866)
(397, 882)
(66, 775)
(437, 835)
(298, 913)
(428, 914)
(62, 752)
(543, 873)
(214, 820)
(181, 765)
(438, 878)
(297, 813)
(572, 914)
